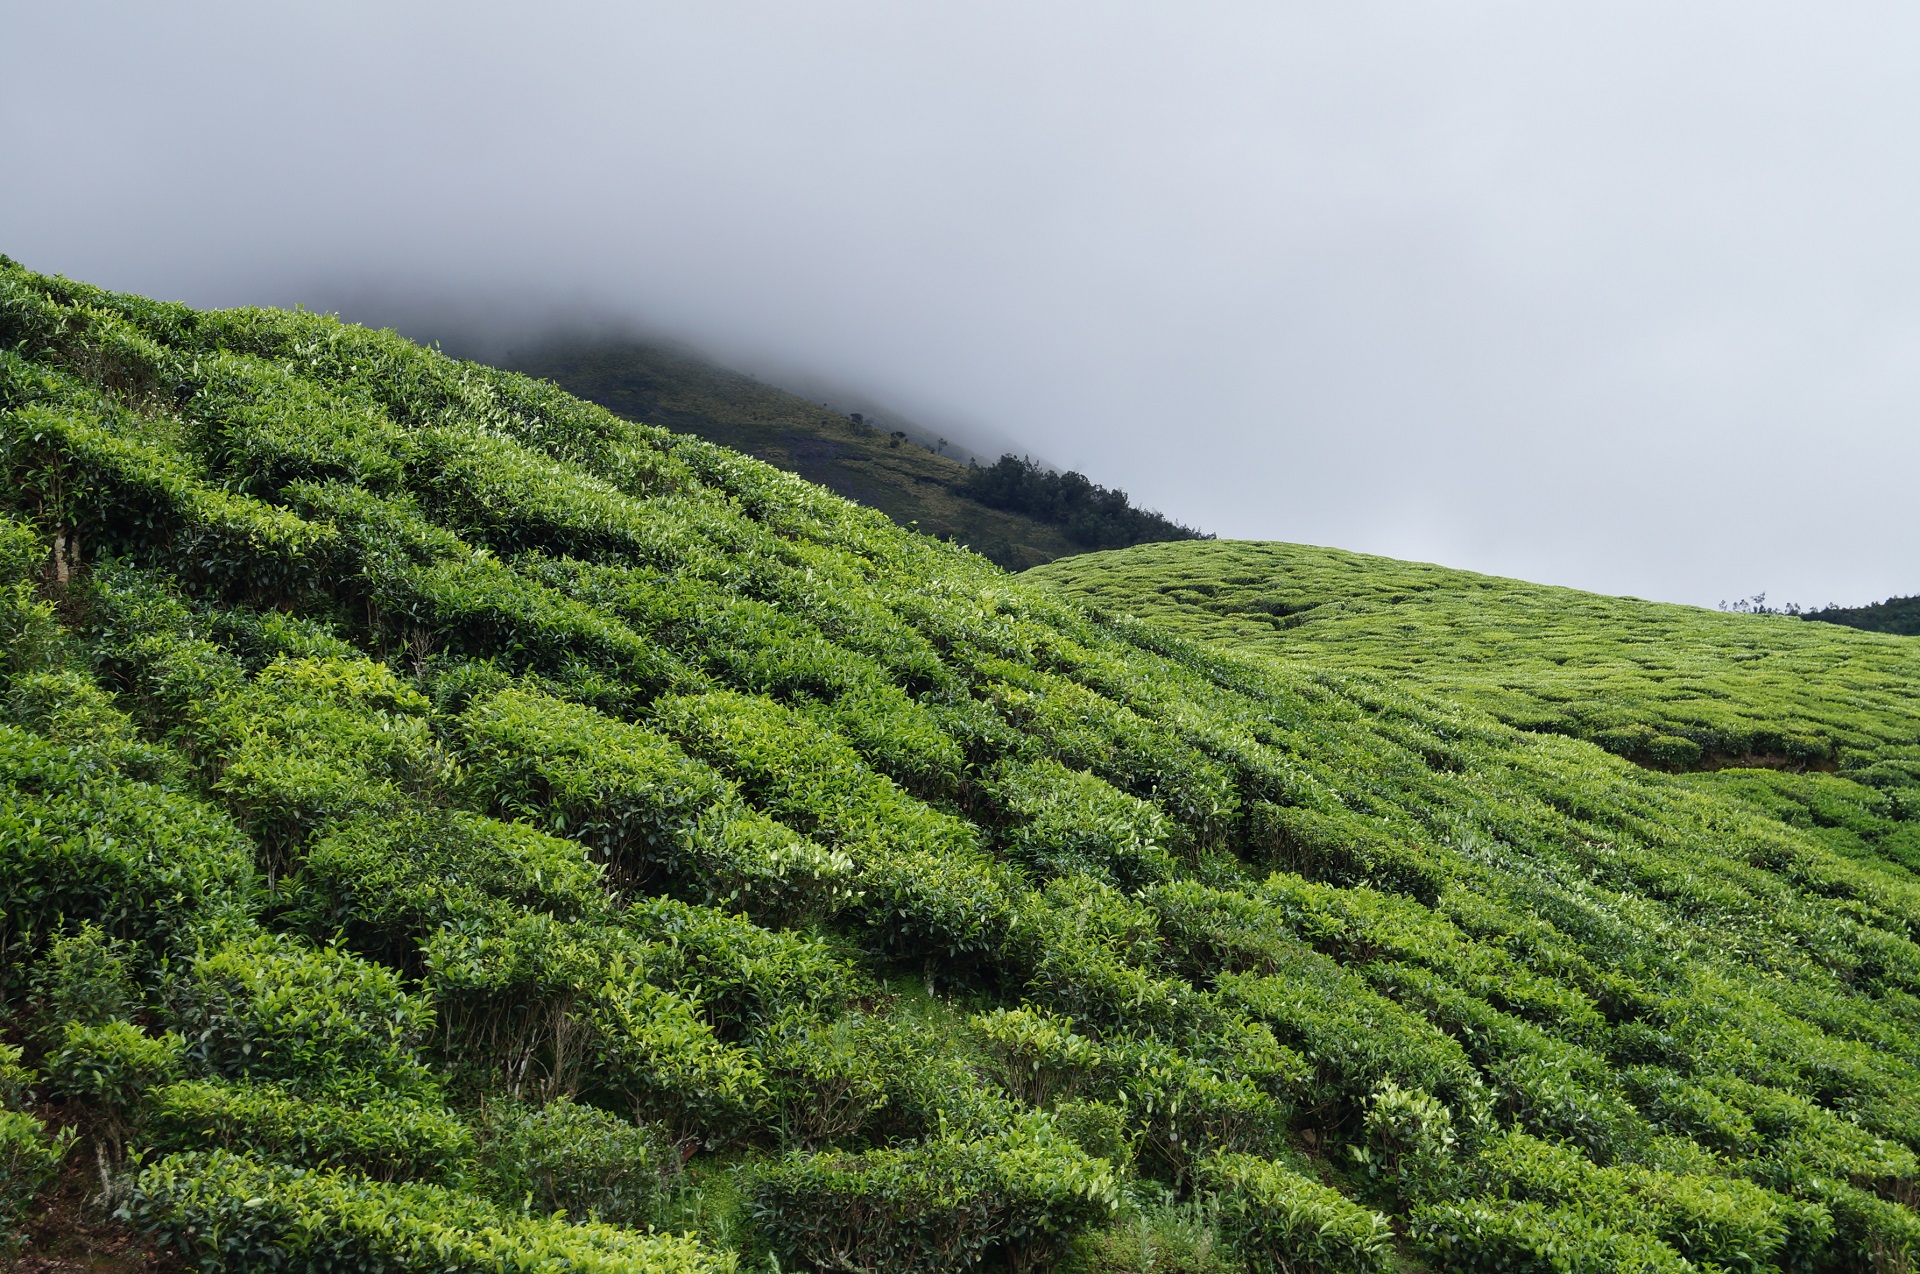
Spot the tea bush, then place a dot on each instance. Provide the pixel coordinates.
(1280, 1221)
(939, 1206)
(567, 1157)
(30, 1157)
(232, 1212)
(314, 1019)
(385, 1138)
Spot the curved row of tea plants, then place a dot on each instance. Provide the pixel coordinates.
(448, 827)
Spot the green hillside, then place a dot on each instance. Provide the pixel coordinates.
(448, 826)
(1817, 724)
(879, 467)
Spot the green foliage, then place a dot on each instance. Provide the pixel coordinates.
(314, 1019)
(654, 1050)
(78, 844)
(85, 979)
(1340, 848)
(1160, 1236)
(30, 1157)
(647, 809)
(830, 1079)
(1707, 1219)
(1279, 1221)
(1408, 1143)
(412, 772)
(1092, 516)
(70, 708)
(1063, 822)
(16, 1080)
(1497, 1236)
(110, 1068)
(938, 1206)
(231, 1212)
(572, 1158)
(1037, 1057)
(385, 881)
(384, 1137)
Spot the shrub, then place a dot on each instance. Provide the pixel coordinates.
(110, 1068)
(142, 863)
(1352, 1037)
(1157, 1237)
(645, 807)
(1049, 1190)
(622, 789)
(936, 1207)
(828, 1079)
(478, 606)
(1708, 1219)
(1190, 1103)
(926, 1209)
(384, 1137)
(1343, 848)
(105, 480)
(311, 1018)
(1037, 1057)
(71, 709)
(1407, 1142)
(745, 976)
(84, 980)
(16, 1080)
(1881, 1234)
(384, 882)
(567, 1157)
(309, 741)
(1278, 1221)
(267, 426)
(1081, 944)
(1495, 1236)
(1099, 1128)
(1064, 822)
(1086, 730)
(29, 1159)
(232, 1212)
(652, 1048)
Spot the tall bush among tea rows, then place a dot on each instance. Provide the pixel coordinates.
(447, 826)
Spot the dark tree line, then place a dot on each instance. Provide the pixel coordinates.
(1895, 615)
(1093, 516)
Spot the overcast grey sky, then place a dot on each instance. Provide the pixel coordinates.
(1624, 295)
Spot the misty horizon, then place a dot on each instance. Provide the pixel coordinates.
(1620, 300)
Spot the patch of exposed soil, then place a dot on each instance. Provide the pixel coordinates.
(69, 1233)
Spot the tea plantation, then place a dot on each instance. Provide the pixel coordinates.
(1818, 724)
(448, 827)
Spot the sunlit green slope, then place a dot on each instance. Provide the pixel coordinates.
(1817, 723)
(448, 827)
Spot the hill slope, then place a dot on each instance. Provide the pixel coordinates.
(1675, 687)
(916, 487)
(448, 826)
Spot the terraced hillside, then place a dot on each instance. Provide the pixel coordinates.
(449, 827)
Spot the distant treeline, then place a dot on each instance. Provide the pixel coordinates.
(1895, 615)
(1091, 515)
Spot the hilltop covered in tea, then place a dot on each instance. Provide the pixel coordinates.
(447, 826)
